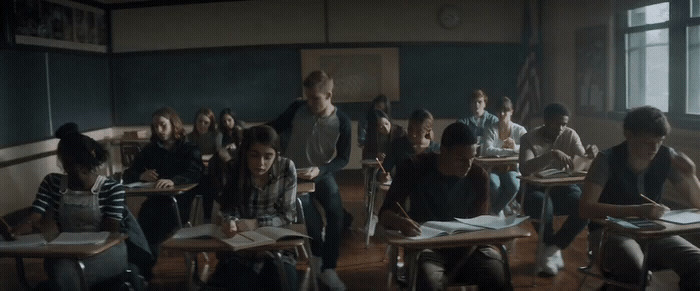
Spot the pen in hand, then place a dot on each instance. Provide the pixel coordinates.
(414, 228)
(648, 199)
(384, 171)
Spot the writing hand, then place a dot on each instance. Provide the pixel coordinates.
(562, 157)
(165, 183)
(408, 227)
(652, 210)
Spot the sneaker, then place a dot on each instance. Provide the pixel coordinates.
(550, 262)
(330, 278)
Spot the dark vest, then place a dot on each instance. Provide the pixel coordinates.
(621, 187)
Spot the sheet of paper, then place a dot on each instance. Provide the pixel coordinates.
(684, 216)
(30, 240)
(493, 221)
(140, 185)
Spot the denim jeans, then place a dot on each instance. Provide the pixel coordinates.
(63, 274)
(328, 196)
(504, 186)
(563, 200)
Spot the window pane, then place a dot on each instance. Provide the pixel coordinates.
(648, 14)
(647, 69)
(693, 104)
(694, 8)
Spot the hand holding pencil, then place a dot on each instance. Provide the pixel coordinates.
(405, 224)
(651, 210)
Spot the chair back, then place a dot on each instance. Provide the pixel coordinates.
(128, 152)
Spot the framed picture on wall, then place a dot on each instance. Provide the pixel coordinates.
(591, 71)
(60, 23)
(359, 74)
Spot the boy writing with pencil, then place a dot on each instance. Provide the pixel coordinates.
(627, 180)
(442, 186)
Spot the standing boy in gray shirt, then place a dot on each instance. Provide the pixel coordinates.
(319, 145)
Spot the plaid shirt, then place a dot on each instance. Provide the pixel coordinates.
(274, 204)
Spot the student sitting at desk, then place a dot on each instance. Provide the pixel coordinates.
(381, 103)
(641, 164)
(480, 120)
(204, 134)
(381, 132)
(553, 146)
(503, 140)
(261, 192)
(231, 131)
(319, 141)
(419, 139)
(166, 161)
(441, 187)
(82, 201)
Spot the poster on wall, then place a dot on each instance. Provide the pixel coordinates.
(60, 23)
(591, 70)
(359, 74)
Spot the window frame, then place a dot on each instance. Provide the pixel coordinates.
(679, 21)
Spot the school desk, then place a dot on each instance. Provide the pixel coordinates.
(171, 192)
(76, 252)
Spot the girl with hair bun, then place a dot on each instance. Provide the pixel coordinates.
(81, 200)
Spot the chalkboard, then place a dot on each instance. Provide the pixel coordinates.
(257, 84)
(80, 90)
(24, 113)
(260, 83)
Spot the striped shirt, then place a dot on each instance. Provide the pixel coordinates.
(111, 197)
(273, 204)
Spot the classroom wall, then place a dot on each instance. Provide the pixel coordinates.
(561, 19)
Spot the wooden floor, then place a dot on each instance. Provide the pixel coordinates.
(359, 267)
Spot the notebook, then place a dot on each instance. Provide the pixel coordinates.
(636, 223)
(243, 240)
(683, 216)
(21, 241)
(432, 229)
(494, 221)
(80, 238)
(141, 185)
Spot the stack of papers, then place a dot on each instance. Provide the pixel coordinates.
(493, 221)
(80, 238)
(21, 241)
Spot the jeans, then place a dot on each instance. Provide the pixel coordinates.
(563, 200)
(329, 197)
(485, 268)
(504, 186)
(63, 274)
(623, 256)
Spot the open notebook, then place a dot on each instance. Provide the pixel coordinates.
(580, 168)
(683, 216)
(80, 238)
(24, 241)
(432, 229)
(243, 240)
(494, 221)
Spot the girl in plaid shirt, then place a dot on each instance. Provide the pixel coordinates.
(261, 191)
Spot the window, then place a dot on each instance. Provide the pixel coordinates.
(658, 49)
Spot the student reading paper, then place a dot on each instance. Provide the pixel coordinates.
(441, 187)
(641, 165)
(81, 201)
(261, 191)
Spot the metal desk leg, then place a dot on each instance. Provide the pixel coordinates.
(22, 276)
(540, 235)
(392, 271)
(80, 266)
(177, 211)
(371, 195)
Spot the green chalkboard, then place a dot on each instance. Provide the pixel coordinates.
(24, 114)
(256, 83)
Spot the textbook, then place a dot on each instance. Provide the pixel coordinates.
(261, 236)
(494, 221)
(579, 169)
(432, 229)
(636, 223)
(80, 238)
(21, 241)
(683, 216)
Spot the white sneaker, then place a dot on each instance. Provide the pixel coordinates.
(550, 262)
(331, 279)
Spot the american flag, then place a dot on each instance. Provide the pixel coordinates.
(529, 95)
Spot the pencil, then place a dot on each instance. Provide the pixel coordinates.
(402, 211)
(647, 199)
(380, 165)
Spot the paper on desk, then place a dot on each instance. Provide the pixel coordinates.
(80, 238)
(141, 185)
(493, 221)
(30, 240)
(683, 216)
